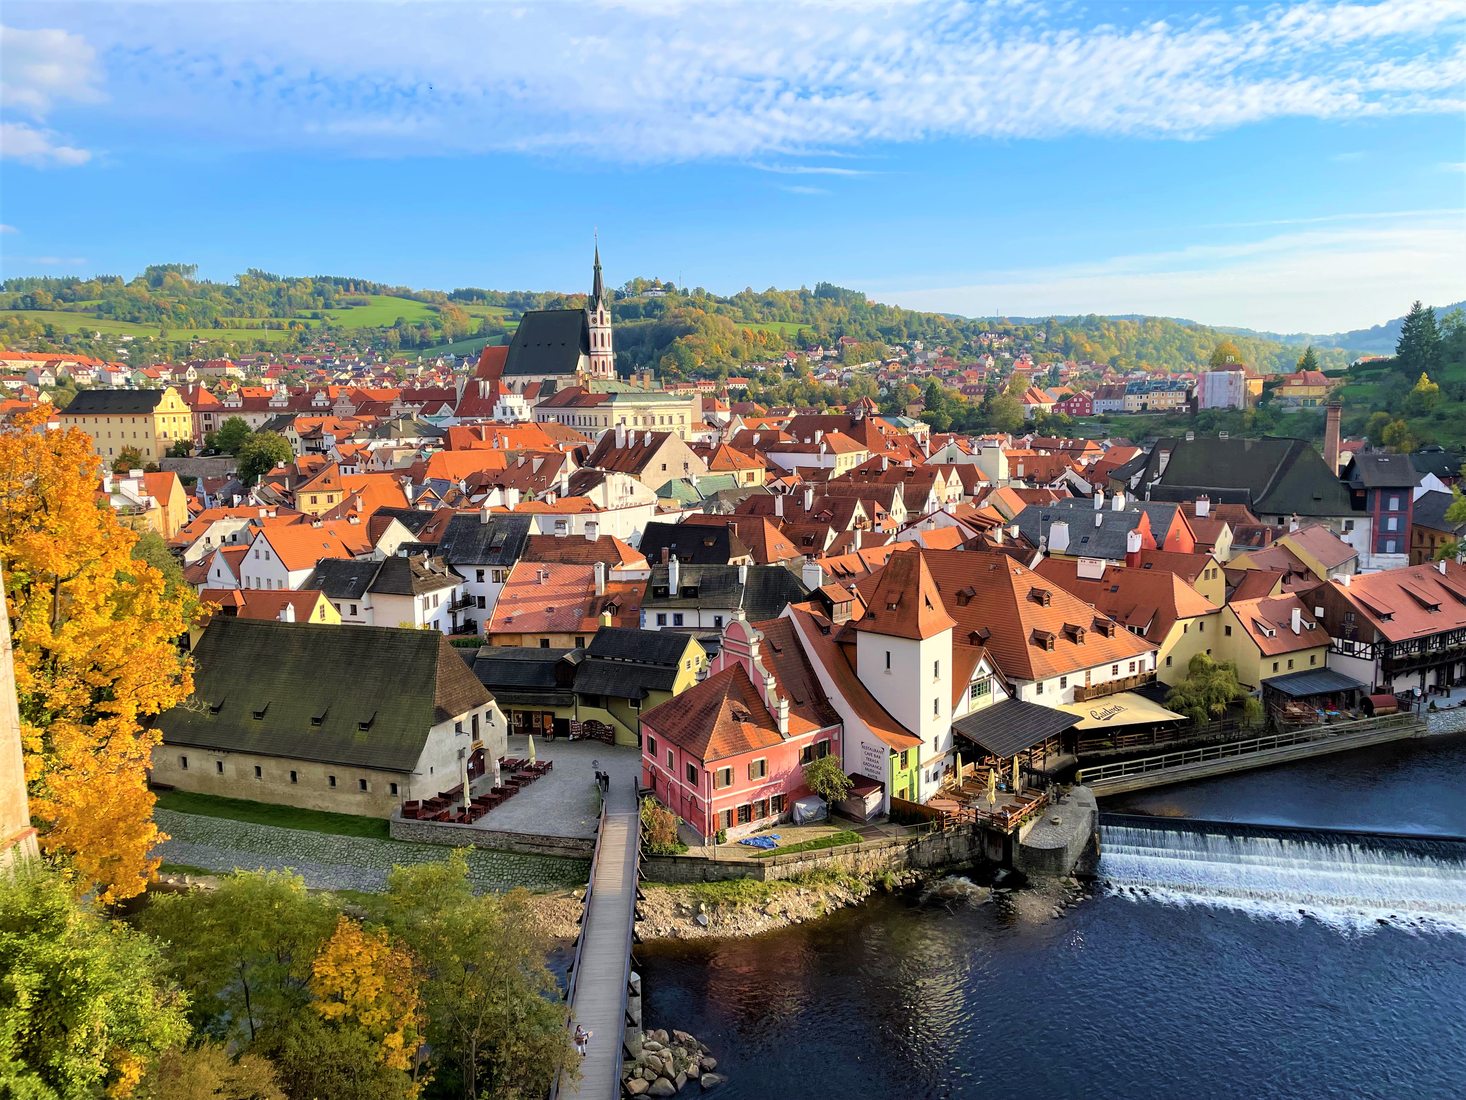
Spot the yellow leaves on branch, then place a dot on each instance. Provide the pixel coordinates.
(95, 634)
(362, 976)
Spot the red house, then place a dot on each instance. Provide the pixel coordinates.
(1078, 403)
(728, 753)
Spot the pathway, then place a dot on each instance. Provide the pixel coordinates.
(598, 1001)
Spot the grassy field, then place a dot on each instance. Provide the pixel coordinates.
(833, 840)
(285, 817)
(67, 321)
(783, 328)
(383, 312)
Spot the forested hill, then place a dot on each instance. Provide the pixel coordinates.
(167, 313)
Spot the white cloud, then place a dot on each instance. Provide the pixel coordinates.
(801, 189)
(755, 82)
(1320, 280)
(8, 229)
(37, 147)
(811, 170)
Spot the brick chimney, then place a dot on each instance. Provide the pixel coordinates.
(1332, 414)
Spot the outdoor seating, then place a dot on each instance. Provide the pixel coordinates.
(411, 809)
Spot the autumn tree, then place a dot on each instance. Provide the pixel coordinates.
(363, 978)
(83, 1009)
(494, 1021)
(826, 778)
(261, 453)
(95, 635)
(243, 951)
(1225, 354)
(1425, 395)
(129, 458)
(208, 1072)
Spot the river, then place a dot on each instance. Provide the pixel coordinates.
(1159, 985)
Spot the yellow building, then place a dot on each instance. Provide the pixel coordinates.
(640, 411)
(1270, 636)
(151, 421)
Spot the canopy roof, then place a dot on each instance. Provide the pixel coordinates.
(1008, 727)
(1124, 708)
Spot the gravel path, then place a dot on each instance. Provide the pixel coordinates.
(330, 862)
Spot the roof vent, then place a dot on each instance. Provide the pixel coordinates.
(366, 723)
(259, 713)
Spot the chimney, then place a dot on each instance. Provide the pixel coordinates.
(1058, 537)
(812, 574)
(1090, 569)
(1099, 519)
(743, 574)
(287, 613)
(808, 497)
(779, 505)
(1203, 507)
(483, 511)
(1132, 548)
(647, 440)
(511, 498)
(1441, 565)
(592, 530)
(1099, 499)
(1295, 620)
(620, 436)
(1293, 524)
(855, 539)
(674, 577)
(1343, 579)
(1118, 502)
(885, 463)
(781, 715)
(600, 575)
(1333, 411)
(106, 483)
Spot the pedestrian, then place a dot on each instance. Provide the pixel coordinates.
(582, 1040)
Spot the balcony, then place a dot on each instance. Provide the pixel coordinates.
(1085, 692)
(461, 603)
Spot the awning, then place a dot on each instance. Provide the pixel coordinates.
(1007, 728)
(1124, 708)
(1312, 681)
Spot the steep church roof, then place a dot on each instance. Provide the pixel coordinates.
(549, 342)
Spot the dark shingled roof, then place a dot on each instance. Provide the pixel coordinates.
(1277, 476)
(630, 663)
(764, 595)
(1436, 460)
(342, 578)
(1009, 727)
(1313, 681)
(1430, 511)
(467, 540)
(1378, 470)
(691, 544)
(549, 341)
(1085, 539)
(113, 402)
(315, 686)
(525, 675)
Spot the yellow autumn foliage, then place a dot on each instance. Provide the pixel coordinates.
(363, 976)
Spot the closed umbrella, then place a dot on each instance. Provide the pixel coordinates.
(992, 787)
(531, 748)
(959, 770)
(498, 776)
(1015, 774)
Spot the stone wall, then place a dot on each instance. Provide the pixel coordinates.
(453, 835)
(306, 784)
(1053, 842)
(1445, 721)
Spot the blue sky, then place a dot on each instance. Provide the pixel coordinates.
(1288, 166)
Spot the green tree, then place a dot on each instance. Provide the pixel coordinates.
(1005, 414)
(1424, 397)
(313, 1058)
(1419, 346)
(1225, 354)
(1209, 688)
(151, 548)
(494, 1018)
(1308, 360)
(83, 1009)
(130, 458)
(826, 778)
(1398, 437)
(231, 435)
(207, 1072)
(261, 453)
(243, 951)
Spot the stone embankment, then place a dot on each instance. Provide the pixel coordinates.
(663, 1064)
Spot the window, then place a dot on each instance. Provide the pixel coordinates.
(219, 766)
(936, 670)
(676, 618)
(361, 784)
(745, 814)
(1392, 524)
(392, 788)
(718, 621)
(1168, 661)
(331, 779)
(669, 758)
(722, 777)
(757, 769)
(1063, 682)
(1114, 670)
(776, 804)
(1038, 688)
(294, 777)
(1227, 629)
(1290, 662)
(479, 575)
(692, 773)
(1394, 506)
(1132, 666)
(483, 603)
(352, 609)
(1389, 546)
(980, 688)
(259, 772)
(905, 758)
(725, 819)
(821, 749)
(1275, 666)
(183, 763)
(651, 747)
(661, 618)
(935, 704)
(1313, 658)
(544, 643)
(888, 660)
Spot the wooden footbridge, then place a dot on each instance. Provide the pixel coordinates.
(1257, 752)
(600, 976)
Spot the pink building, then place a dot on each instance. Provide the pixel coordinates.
(1078, 403)
(728, 753)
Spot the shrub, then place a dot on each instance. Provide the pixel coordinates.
(659, 829)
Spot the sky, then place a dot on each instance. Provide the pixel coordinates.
(1291, 167)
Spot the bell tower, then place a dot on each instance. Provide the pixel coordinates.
(598, 324)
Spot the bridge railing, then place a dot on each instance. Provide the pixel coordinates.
(1126, 768)
(590, 886)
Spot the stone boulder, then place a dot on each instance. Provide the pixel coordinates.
(711, 1081)
(662, 1087)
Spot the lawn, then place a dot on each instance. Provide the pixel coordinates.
(832, 840)
(783, 328)
(383, 312)
(262, 813)
(67, 321)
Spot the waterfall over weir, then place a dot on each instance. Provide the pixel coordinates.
(1346, 879)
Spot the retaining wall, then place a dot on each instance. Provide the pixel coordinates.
(452, 835)
(1445, 721)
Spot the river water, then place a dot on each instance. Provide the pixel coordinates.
(1189, 973)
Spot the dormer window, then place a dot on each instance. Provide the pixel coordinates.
(1040, 596)
(259, 712)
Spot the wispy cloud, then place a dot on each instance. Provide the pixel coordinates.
(1454, 166)
(812, 170)
(773, 84)
(802, 189)
(37, 146)
(1316, 280)
(8, 229)
(53, 261)
(43, 69)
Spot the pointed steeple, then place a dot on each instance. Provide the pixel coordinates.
(597, 290)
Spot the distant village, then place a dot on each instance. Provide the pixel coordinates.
(455, 554)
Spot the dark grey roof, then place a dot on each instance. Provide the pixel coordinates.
(403, 576)
(414, 519)
(549, 341)
(1429, 510)
(405, 427)
(524, 675)
(1380, 470)
(1009, 727)
(691, 543)
(113, 402)
(467, 540)
(630, 663)
(1279, 476)
(1085, 539)
(1314, 681)
(278, 423)
(360, 696)
(342, 578)
(1436, 460)
(765, 593)
(650, 647)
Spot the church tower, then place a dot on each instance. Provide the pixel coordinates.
(598, 324)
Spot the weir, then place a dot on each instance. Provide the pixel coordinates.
(1342, 878)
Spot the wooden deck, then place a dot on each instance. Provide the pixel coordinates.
(603, 968)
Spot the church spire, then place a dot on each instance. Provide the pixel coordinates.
(597, 290)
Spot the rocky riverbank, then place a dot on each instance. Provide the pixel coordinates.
(663, 1064)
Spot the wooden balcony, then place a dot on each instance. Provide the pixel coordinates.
(1084, 693)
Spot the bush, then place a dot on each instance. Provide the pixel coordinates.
(659, 829)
